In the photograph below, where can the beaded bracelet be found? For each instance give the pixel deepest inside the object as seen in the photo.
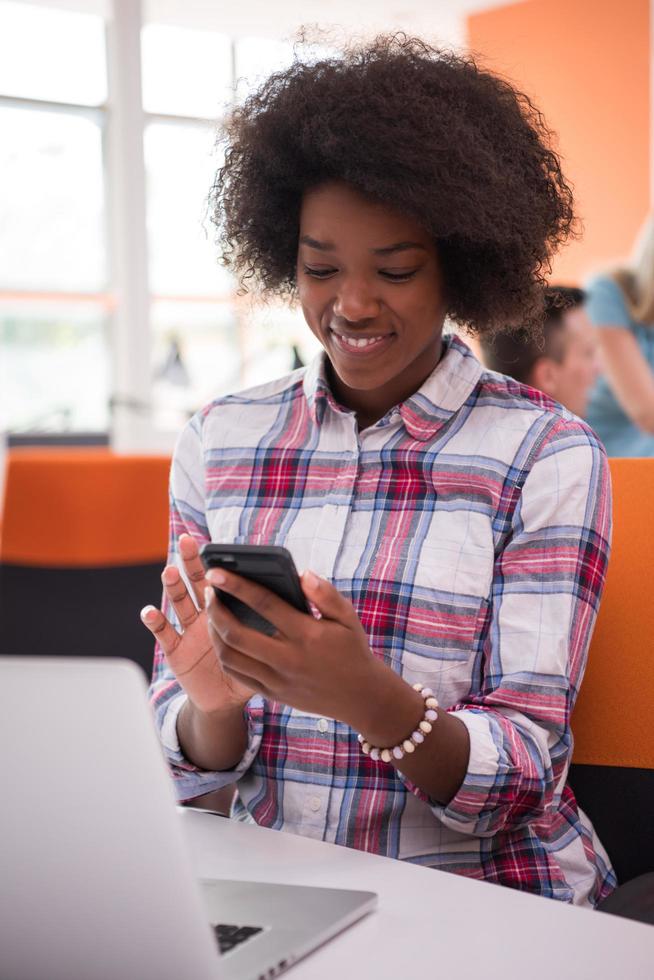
(408, 745)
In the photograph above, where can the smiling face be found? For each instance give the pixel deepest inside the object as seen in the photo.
(370, 287)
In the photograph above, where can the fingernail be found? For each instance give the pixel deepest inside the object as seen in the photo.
(311, 578)
(145, 612)
(208, 593)
(216, 576)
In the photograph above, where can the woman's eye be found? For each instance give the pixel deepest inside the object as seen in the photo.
(319, 273)
(326, 273)
(398, 276)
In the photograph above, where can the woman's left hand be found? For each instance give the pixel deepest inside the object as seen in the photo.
(322, 666)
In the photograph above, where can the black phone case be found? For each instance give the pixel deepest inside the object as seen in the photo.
(268, 565)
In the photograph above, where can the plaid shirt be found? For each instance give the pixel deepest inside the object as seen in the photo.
(470, 529)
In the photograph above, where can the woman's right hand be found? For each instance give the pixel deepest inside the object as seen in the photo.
(190, 653)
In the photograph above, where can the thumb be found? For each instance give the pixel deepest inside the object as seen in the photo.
(328, 600)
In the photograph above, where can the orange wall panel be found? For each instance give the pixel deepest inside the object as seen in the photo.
(586, 66)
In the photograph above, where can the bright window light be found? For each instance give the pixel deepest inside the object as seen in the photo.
(52, 202)
(256, 59)
(54, 367)
(196, 356)
(58, 55)
(181, 163)
(186, 72)
(274, 338)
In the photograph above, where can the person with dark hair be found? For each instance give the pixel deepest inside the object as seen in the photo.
(453, 527)
(563, 362)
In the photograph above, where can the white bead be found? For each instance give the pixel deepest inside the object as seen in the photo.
(398, 752)
(360, 739)
(427, 692)
(386, 755)
(417, 687)
(431, 703)
(374, 754)
(431, 715)
(417, 737)
(365, 747)
(425, 727)
(408, 746)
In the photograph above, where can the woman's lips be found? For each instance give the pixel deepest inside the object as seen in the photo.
(361, 346)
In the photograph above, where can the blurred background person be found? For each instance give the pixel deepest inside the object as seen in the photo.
(621, 304)
(564, 364)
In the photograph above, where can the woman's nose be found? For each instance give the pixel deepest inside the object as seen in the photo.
(356, 301)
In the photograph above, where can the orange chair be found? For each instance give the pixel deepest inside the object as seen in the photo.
(84, 540)
(613, 721)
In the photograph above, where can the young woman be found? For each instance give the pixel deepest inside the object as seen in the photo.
(453, 526)
(621, 304)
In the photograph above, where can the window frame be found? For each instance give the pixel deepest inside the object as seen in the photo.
(127, 298)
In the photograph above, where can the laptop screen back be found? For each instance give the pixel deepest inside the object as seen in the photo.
(95, 882)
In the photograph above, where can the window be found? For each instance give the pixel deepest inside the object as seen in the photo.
(54, 307)
(206, 339)
(62, 366)
(54, 368)
(52, 231)
(186, 72)
(56, 55)
(255, 58)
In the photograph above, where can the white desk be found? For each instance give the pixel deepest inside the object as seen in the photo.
(429, 923)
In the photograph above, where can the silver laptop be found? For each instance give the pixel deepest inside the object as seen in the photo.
(95, 879)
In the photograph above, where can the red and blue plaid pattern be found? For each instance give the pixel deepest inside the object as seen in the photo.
(470, 529)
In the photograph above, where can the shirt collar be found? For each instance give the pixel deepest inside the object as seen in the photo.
(316, 389)
(426, 412)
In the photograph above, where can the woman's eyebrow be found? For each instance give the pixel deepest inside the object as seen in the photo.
(398, 247)
(384, 250)
(314, 243)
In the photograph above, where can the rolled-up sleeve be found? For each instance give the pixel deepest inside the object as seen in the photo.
(189, 780)
(547, 582)
(187, 515)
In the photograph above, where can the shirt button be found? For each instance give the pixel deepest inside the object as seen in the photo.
(314, 803)
(322, 725)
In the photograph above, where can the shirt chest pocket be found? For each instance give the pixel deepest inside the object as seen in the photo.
(441, 639)
(442, 609)
(449, 647)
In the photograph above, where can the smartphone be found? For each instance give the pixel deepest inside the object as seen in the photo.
(267, 565)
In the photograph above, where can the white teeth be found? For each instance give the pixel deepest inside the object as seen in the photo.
(360, 341)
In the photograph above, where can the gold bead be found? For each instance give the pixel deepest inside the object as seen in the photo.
(417, 687)
(365, 748)
(425, 726)
(385, 755)
(431, 703)
(408, 746)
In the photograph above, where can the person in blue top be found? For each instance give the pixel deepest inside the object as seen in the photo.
(621, 304)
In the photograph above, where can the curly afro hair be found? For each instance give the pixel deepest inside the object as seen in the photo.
(424, 130)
